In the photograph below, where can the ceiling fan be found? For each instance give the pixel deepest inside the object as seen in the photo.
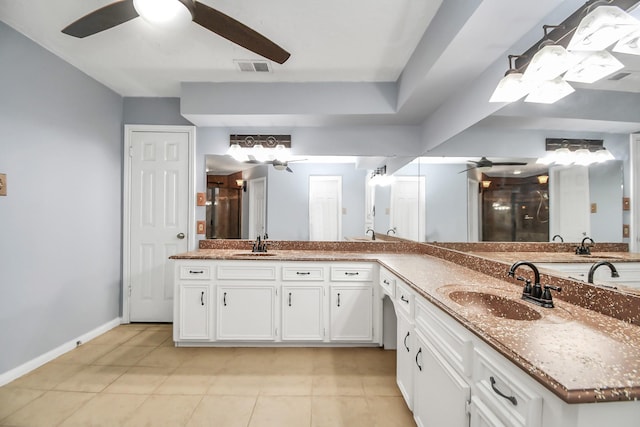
(121, 11)
(485, 163)
(280, 165)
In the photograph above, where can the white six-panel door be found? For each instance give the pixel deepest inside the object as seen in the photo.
(157, 225)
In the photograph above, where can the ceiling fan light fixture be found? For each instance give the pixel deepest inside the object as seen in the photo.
(602, 27)
(165, 11)
(593, 67)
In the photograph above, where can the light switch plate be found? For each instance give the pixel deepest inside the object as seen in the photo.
(625, 230)
(626, 204)
(594, 207)
(3, 184)
(200, 227)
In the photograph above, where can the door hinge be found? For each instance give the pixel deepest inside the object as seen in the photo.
(467, 407)
(131, 151)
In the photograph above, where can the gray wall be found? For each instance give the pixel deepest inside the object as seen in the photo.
(60, 250)
(288, 200)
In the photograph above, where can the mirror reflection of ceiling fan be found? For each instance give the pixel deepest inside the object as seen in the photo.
(485, 164)
(121, 11)
(280, 165)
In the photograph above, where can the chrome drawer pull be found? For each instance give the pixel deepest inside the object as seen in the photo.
(202, 298)
(303, 273)
(511, 399)
(386, 282)
(196, 271)
(349, 273)
(405, 342)
(404, 299)
(338, 299)
(224, 299)
(418, 354)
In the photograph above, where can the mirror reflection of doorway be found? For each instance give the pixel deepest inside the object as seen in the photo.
(224, 207)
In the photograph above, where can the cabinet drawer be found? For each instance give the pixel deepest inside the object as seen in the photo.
(243, 271)
(352, 273)
(503, 389)
(388, 283)
(453, 340)
(405, 299)
(303, 273)
(195, 272)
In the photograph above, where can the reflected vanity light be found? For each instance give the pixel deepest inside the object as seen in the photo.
(260, 148)
(380, 178)
(486, 183)
(543, 179)
(581, 152)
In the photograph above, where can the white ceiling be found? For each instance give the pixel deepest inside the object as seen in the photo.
(330, 40)
(443, 69)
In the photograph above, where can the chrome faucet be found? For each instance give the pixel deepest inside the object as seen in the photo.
(534, 293)
(559, 236)
(594, 267)
(373, 233)
(582, 249)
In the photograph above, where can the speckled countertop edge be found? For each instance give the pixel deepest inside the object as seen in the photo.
(410, 267)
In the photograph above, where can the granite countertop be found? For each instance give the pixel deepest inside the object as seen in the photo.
(560, 257)
(579, 354)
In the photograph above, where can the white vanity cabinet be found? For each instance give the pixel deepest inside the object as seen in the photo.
(269, 302)
(302, 301)
(246, 301)
(192, 307)
(405, 352)
(351, 306)
(629, 272)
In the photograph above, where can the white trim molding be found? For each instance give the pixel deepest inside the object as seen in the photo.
(25, 368)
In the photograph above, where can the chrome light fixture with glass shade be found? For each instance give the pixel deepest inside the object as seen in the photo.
(576, 51)
(260, 148)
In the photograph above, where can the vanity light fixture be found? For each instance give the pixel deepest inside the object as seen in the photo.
(485, 183)
(601, 27)
(560, 56)
(512, 87)
(379, 177)
(575, 151)
(543, 179)
(242, 184)
(260, 148)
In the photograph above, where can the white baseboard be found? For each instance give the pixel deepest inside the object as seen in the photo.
(25, 368)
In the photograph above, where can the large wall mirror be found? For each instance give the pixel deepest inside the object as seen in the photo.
(429, 199)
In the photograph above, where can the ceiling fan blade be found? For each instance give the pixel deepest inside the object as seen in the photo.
(468, 169)
(509, 164)
(102, 19)
(238, 33)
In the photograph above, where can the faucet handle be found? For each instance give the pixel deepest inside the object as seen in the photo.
(546, 295)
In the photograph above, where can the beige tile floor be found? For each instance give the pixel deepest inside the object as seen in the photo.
(134, 376)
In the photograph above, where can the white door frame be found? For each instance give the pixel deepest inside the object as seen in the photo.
(126, 205)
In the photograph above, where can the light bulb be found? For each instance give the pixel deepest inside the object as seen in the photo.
(163, 11)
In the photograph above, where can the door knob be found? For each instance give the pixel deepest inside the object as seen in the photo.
(180, 235)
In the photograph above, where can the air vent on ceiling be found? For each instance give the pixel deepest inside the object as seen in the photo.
(256, 66)
(619, 76)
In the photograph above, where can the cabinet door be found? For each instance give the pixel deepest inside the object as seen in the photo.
(440, 395)
(246, 313)
(302, 309)
(405, 351)
(351, 313)
(195, 313)
(481, 415)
